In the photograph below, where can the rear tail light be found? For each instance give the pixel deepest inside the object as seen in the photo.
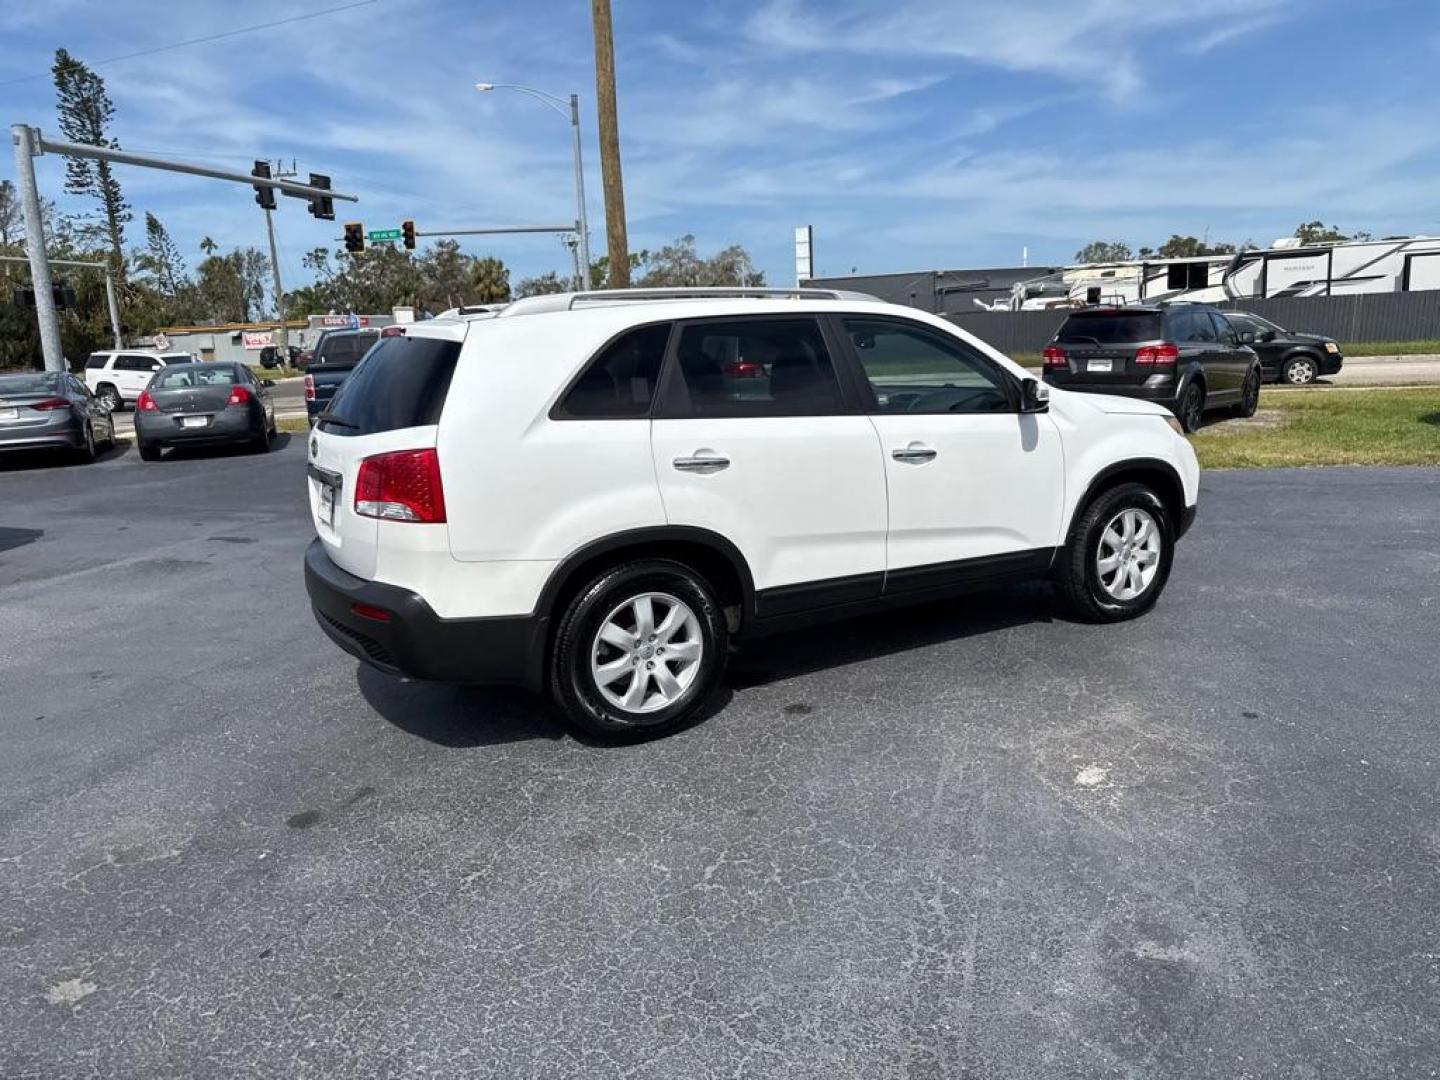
(309, 387)
(403, 486)
(51, 403)
(146, 403)
(1164, 354)
(745, 369)
(238, 396)
(1055, 357)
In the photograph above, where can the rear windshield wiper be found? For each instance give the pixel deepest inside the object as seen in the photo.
(329, 418)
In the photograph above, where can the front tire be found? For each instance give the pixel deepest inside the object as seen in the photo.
(1118, 559)
(1300, 370)
(1249, 396)
(1191, 410)
(639, 652)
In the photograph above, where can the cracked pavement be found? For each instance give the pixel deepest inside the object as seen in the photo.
(970, 840)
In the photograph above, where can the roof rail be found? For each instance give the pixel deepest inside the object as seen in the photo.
(569, 301)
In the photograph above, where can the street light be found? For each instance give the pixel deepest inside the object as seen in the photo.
(582, 224)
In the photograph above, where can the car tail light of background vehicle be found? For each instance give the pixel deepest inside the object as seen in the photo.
(1162, 355)
(1055, 357)
(51, 403)
(745, 369)
(238, 396)
(393, 331)
(309, 387)
(401, 486)
(146, 403)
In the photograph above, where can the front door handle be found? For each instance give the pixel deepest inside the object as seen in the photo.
(703, 462)
(914, 454)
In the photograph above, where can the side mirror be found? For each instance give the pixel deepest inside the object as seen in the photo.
(1267, 335)
(267, 382)
(1034, 396)
(1247, 337)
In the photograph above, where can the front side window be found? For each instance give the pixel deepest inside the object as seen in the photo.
(620, 381)
(918, 370)
(753, 367)
(1224, 332)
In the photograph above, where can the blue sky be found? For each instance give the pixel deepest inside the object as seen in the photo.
(911, 135)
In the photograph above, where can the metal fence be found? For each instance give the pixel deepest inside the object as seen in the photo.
(1413, 316)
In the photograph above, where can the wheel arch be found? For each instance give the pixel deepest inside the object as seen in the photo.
(709, 553)
(1155, 473)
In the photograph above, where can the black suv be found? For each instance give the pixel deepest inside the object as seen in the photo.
(1183, 356)
(1285, 356)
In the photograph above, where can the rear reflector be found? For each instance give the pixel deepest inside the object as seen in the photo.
(369, 611)
(51, 403)
(1055, 357)
(238, 396)
(403, 486)
(309, 387)
(1163, 354)
(146, 403)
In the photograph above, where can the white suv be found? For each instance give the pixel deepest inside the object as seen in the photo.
(117, 376)
(593, 495)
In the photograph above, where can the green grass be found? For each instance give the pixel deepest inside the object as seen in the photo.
(1389, 348)
(295, 425)
(276, 373)
(1365, 427)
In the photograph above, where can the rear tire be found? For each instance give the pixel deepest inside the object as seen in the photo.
(86, 452)
(1300, 370)
(610, 674)
(1191, 409)
(148, 451)
(1105, 575)
(261, 443)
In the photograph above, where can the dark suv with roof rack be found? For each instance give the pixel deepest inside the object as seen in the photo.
(1186, 357)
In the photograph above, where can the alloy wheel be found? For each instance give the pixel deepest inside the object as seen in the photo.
(1128, 555)
(1193, 409)
(647, 653)
(1300, 372)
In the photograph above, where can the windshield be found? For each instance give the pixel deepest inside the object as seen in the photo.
(401, 383)
(179, 358)
(194, 375)
(1111, 327)
(29, 383)
(1259, 324)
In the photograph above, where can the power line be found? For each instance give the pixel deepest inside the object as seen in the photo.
(209, 38)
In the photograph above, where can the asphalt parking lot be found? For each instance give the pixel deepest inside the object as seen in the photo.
(974, 840)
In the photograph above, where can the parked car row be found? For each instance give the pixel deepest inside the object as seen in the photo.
(1190, 358)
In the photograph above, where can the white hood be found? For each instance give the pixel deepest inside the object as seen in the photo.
(1112, 404)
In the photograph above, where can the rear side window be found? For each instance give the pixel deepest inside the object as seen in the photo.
(1111, 327)
(752, 367)
(402, 383)
(96, 361)
(620, 381)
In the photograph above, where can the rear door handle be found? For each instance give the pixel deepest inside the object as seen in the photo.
(914, 454)
(703, 462)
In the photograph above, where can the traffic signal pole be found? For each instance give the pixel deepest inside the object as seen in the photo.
(30, 144)
(49, 320)
(106, 269)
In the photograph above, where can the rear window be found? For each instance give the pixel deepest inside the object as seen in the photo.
(401, 383)
(36, 383)
(343, 348)
(177, 358)
(176, 378)
(1109, 328)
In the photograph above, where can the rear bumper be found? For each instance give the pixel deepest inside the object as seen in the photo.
(63, 431)
(1187, 518)
(1162, 390)
(414, 641)
(226, 426)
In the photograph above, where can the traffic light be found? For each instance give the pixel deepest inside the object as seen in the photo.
(407, 230)
(62, 294)
(264, 195)
(354, 237)
(322, 206)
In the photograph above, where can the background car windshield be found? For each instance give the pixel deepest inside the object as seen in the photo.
(195, 375)
(29, 383)
(183, 358)
(401, 383)
(1111, 327)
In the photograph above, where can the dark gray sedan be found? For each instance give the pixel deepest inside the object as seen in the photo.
(209, 404)
(46, 410)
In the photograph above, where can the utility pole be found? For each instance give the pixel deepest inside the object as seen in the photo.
(281, 174)
(616, 241)
(26, 147)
